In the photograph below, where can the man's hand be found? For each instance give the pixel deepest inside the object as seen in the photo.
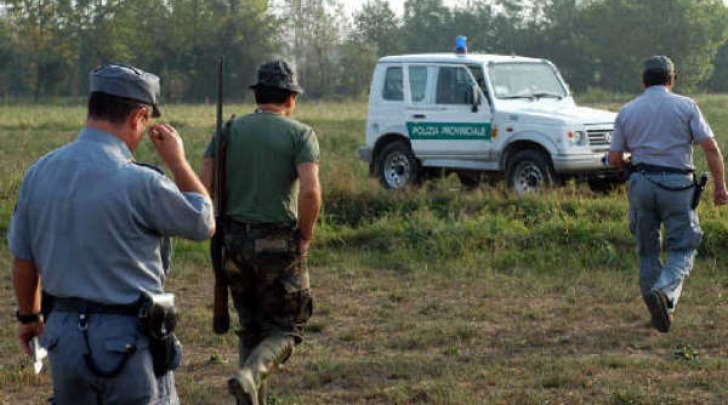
(26, 332)
(168, 143)
(617, 159)
(720, 195)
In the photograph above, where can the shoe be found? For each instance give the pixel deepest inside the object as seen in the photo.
(657, 303)
(242, 387)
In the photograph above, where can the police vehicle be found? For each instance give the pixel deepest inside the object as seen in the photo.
(482, 117)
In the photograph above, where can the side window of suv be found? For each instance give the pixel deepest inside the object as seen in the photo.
(393, 87)
(453, 86)
(418, 83)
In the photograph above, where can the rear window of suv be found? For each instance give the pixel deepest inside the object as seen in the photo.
(393, 88)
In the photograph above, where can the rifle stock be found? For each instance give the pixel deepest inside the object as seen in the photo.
(221, 315)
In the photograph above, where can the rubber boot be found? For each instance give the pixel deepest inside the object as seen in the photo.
(246, 384)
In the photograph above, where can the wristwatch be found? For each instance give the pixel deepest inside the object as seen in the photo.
(27, 318)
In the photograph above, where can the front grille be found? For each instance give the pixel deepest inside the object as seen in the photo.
(599, 137)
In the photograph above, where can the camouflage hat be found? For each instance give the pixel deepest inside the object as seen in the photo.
(128, 82)
(660, 63)
(277, 74)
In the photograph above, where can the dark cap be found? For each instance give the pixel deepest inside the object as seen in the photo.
(277, 74)
(127, 82)
(659, 63)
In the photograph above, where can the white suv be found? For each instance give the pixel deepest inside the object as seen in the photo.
(482, 116)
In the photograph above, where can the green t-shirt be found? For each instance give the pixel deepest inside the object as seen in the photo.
(263, 151)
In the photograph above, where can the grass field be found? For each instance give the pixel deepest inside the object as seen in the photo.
(433, 296)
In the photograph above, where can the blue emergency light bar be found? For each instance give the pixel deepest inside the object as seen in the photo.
(461, 45)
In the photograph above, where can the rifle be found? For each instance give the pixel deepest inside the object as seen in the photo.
(221, 316)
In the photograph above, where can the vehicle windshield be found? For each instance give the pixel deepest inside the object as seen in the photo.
(525, 80)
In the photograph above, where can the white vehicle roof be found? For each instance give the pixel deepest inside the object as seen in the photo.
(456, 58)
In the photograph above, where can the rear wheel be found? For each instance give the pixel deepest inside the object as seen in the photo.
(397, 166)
(529, 171)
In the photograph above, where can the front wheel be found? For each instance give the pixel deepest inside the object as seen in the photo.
(397, 166)
(529, 171)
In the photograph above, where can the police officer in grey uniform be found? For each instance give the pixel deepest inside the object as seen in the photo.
(656, 132)
(93, 226)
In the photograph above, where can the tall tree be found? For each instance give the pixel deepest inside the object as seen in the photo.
(377, 25)
(689, 31)
(719, 79)
(427, 26)
(355, 65)
(6, 55)
(315, 35)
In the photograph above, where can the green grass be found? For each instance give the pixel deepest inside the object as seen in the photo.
(435, 295)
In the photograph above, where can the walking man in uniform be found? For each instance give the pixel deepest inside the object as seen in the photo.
(272, 203)
(93, 227)
(659, 129)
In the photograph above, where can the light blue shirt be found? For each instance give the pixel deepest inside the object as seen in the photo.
(96, 225)
(659, 128)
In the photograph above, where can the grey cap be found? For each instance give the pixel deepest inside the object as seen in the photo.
(128, 82)
(660, 63)
(277, 74)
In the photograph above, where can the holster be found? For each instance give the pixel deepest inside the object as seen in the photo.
(699, 187)
(158, 320)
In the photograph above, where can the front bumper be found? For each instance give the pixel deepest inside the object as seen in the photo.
(593, 162)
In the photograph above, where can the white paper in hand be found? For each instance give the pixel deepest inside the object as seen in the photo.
(39, 353)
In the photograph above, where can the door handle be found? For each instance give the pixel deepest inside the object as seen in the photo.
(419, 116)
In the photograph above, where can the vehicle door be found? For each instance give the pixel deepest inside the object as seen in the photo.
(442, 120)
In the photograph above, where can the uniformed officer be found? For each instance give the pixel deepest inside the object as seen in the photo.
(659, 129)
(273, 200)
(93, 227)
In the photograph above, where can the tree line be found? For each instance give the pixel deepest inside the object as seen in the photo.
(48, 47)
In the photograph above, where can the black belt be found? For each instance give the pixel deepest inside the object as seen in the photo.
(258, 226)
(80, 305)
(655, 169)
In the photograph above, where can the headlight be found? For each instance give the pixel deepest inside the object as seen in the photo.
(577, 137)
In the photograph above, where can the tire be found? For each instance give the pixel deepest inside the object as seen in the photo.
(529, 172)
(397, 166)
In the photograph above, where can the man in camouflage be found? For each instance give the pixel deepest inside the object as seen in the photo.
(273, 197)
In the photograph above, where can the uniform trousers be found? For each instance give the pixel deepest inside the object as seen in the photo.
(653, 204)
(109, 336)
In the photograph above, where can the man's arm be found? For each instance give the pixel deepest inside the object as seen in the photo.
(309, 201)
(207, 176)
(26, 281)
(170, 148)
(715, 163)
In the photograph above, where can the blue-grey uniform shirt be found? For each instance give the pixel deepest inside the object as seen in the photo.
(659, 128)
(95, 224)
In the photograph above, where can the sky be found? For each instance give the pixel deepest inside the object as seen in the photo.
(352, 6)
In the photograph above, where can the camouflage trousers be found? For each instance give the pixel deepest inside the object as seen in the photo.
(269, 282)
